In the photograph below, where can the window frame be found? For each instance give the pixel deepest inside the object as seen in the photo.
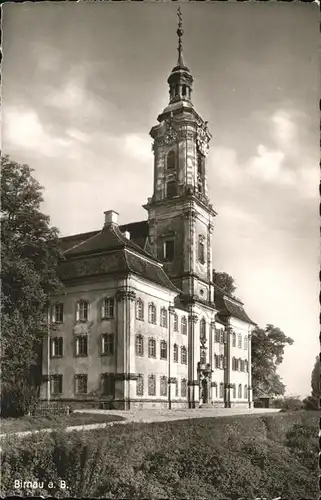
(163, 352)
(56, 378)
(171, 155)
(152, 378)
(78, 342)
(183, 355)
(81, 317)
(107, 339)
(184, 325)
(171, 257)
(140, 309)
(163, 386)
(139, 348)
(175, 353)
(152, 313)
(108, 308)
(201, 251)
(163, 318)
(58, 310)
(140, 385)
(78, 377)
(151, 346)
(183, 388)
(108, 381)
(59, 341)
(176, 327)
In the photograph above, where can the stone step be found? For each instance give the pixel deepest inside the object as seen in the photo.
(205, 405)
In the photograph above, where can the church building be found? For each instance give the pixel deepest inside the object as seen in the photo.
(141, 323)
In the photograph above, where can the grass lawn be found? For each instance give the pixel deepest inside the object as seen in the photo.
(29, 423)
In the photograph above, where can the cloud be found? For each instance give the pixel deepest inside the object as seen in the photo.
(23, 129)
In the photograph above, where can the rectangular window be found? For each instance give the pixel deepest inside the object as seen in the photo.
(169, 250)
(163, 386)
(184, 325)
(175, 353)
(151, 385)
(152, 314)
(203, 357)
(217, 335)
(221, 390)
(163, 350)
(175, 322)
(82, 311)
(58, 313)
(108, 384)
(107, 311)
(107, 344)
(183, 388)
(176, 388)
(56, 384)
(140, 386)
(56, 347)
(171, 189)
(163, 318)
(239, 341)
(81, 384)
(81, 345)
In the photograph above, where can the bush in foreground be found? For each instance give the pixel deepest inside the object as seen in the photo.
(210, 458)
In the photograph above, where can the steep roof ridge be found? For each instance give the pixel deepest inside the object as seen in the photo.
(81, 243)
(130, 243)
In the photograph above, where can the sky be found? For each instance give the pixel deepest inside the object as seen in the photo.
(83, 83)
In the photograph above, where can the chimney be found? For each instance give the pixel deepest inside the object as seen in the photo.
(111, 217)
(127, 235)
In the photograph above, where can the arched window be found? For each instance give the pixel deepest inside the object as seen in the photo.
(221, 390)
(175, 322)
(175, 353)
(234, 391)
(163, 349)
(239, 343)
(151, 348)
(82, 310)
(245, 392)
(202, 328)
(239, 392)
(245, 342)
(171, 160)
(139, 344)
(163, 317)
(184, 325)
(200, 164)
(233, 339)
(184, 90)
(139, 309)
(183, 355)
(171, 189)
(152, 314)
(107, 310)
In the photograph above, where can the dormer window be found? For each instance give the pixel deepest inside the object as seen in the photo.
(171, 160)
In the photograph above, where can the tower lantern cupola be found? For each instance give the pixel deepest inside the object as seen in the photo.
(180, 80)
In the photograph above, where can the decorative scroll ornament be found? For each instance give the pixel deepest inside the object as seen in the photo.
(202, 138)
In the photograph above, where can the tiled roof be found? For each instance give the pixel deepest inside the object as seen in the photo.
(109, 238)
(138, 234)
(229, 306)
(110, 252)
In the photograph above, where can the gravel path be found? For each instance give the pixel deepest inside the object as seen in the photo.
(148, 416)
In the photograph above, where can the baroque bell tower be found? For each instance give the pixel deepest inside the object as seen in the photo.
(179, 213)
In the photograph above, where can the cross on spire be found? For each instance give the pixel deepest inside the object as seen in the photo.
(180, 33)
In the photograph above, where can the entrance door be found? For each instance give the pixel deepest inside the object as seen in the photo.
(205, 390)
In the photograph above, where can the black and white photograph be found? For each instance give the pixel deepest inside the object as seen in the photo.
(160, 250)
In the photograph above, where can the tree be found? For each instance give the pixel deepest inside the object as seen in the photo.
(267, 353)
(312, 401)
(224, 281)
(30, 255)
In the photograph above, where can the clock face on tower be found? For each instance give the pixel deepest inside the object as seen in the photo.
(170, 136)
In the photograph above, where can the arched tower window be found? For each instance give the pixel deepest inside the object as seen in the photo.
(184, 91)
(171, 160)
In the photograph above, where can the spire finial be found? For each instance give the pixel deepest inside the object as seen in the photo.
(180, 33)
